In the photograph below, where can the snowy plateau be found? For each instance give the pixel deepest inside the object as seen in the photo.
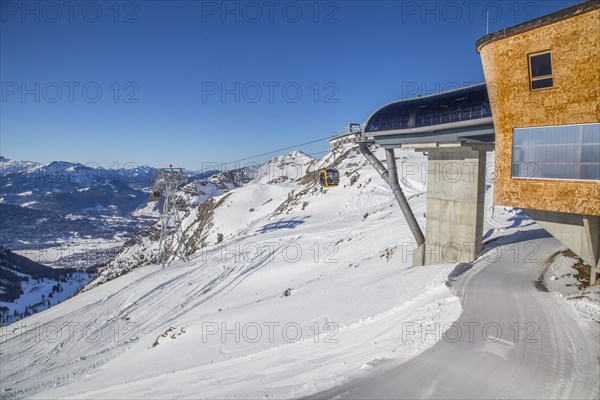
(290, 290)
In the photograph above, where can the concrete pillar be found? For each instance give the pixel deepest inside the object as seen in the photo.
(455, 205)
(580, 233)
(591, 226)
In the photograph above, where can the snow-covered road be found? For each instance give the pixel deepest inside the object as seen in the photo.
(513, 340)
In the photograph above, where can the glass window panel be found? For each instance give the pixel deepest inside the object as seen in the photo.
(541, 65)
(590, 154)
(518, 155)
(590, 172)
(542, 83)
(566, 171)
(590, 134)
(546, 170)
(557, 152)
(460, 106)
(517, 170)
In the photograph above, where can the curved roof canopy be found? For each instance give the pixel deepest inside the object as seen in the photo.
(404, 116)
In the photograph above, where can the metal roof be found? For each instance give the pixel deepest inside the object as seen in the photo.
(458, 115)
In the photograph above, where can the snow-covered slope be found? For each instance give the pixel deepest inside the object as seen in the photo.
(281, 169)
(291, 289)
(257, 191)
(307, 289)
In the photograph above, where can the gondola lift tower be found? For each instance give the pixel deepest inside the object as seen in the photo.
(172, 242)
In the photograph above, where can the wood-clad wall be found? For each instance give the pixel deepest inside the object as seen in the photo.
(575, 99)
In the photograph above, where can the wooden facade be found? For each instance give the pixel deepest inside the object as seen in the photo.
(572, 36)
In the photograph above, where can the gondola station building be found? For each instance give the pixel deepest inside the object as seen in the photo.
(539, 110)
(543, 80)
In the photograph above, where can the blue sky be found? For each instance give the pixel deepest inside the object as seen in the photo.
(193, 82)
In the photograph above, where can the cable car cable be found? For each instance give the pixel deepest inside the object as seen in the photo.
(278, 150)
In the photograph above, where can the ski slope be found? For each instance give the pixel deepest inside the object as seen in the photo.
(310, 289)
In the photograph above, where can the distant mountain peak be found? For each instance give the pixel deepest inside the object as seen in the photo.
(298, 153)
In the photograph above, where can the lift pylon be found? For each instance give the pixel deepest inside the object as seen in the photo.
(172, 242)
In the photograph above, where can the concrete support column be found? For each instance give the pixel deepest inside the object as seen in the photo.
(580, 233)
(455, 205)
(591, 226)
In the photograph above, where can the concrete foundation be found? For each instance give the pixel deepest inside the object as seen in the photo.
(580, 233)
(455, 205)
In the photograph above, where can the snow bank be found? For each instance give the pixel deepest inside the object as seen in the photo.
(561, 277)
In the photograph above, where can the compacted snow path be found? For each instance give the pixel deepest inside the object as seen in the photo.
(513, 340)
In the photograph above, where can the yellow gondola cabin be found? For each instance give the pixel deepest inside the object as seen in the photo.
(329, 177)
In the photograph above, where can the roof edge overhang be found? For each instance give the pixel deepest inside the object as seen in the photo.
(477, 85)
(451, 126)
(538, 22)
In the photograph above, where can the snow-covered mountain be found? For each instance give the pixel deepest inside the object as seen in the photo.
(45, 205)
(8, 166)
(74, 188)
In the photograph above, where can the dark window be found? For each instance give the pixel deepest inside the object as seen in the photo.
(542, 83)
(540, 69)
(557, 152)
(461, 105)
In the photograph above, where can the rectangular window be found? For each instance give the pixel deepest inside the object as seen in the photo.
(540, 70)
(557, 152)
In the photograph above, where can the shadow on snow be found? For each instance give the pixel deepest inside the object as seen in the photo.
(281, 224)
